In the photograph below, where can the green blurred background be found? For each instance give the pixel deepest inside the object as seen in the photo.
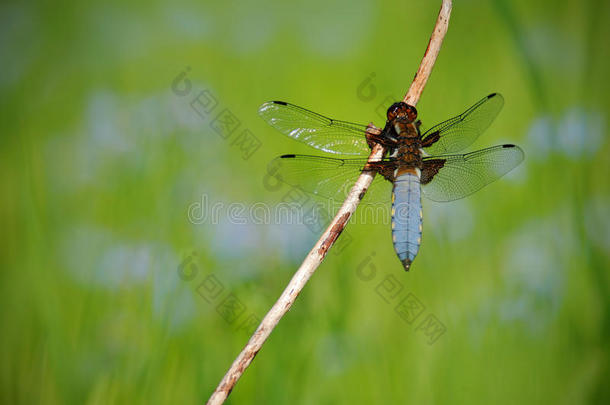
(110, 294)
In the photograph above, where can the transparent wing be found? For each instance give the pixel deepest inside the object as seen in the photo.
(315, 130)
(451, 177)
(328, 177)
(460, 132)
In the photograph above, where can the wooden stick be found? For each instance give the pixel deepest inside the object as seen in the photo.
(427, 62)
(330, 235)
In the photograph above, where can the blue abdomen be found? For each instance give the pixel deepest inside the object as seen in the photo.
(406, 217)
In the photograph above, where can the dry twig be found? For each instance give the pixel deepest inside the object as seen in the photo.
(319, 251)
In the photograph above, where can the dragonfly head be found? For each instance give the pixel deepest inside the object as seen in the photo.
(403, 111)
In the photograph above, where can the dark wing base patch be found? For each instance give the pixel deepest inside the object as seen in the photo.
(430, 169)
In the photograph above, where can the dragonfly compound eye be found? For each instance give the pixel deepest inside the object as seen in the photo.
(402, 110)
(411, 113)
(396, 110)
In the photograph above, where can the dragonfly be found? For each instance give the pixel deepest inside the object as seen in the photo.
(414, 163)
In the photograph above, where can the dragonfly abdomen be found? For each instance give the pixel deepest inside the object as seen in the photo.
(406, 217)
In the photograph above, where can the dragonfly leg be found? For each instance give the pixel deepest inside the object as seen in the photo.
(374, 135)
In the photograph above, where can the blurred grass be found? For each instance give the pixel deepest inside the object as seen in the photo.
(101, 161)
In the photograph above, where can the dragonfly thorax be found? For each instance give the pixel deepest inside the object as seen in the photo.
(409, 153)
